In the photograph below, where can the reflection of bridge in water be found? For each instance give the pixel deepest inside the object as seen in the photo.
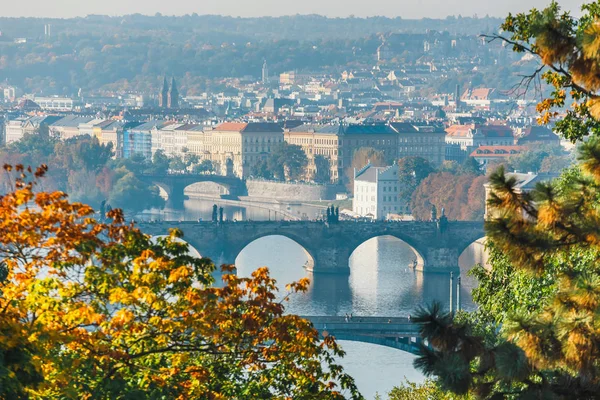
(395, 332)
(329, 246)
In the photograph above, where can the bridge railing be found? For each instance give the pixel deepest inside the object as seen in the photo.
(366, 325)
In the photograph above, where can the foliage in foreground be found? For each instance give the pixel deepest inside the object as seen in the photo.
(98, 310)
(550, 238)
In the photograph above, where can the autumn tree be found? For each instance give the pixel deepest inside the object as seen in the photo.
(462, 196)
(99, 310)
(545, 275)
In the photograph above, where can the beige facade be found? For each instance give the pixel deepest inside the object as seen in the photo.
(237, 147)
(317, 140)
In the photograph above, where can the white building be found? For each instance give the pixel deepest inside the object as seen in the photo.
(376, 192)
(13, 130)
(55, 103)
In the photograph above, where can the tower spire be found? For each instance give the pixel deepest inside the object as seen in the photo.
(164, 94)
(173, 95)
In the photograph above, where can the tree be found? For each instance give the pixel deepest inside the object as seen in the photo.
(555, 164)
(361, 157)
(411, 172)
(287, 161)
(547, 237)
(568, 50)
(428, 390)
(190, 159)
(527, 161)
(260, 169)
(204, 167)
(131, 194)
(462, 196)
(160, 162)
(176, 163)
(323, 169)
(471, 166)
(99, 310)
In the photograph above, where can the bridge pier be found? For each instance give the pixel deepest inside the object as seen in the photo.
(176, 197)
(442, 259)
(330, 260)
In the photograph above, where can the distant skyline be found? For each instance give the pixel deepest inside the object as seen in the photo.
(408, 9)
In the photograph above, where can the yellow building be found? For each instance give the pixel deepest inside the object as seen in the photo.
(238, 146)
(318, 140)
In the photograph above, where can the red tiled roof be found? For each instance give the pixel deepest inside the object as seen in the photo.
(459, 130)
(231, 126)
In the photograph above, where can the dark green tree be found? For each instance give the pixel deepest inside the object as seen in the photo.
(323, 169)
(160, 162)
(470, 167)
(133, 195)
(411, 172)
(260, 169)
(287, 161)
(206, 166)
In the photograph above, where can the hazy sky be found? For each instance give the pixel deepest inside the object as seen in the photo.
(391, 8)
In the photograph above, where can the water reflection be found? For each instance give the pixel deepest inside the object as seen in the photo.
(381, 283)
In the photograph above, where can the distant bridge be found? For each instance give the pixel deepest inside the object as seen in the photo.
(329, 246)
(398, 333)
(174, 184)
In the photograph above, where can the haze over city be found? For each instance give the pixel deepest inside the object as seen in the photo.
(258, 8)
(270, 199)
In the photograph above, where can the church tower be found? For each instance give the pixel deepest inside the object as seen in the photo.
(163, 95)
(173, 95)
(265, 73)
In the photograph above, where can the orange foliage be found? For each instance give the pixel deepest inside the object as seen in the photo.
(107, 313)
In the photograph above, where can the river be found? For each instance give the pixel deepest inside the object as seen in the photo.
(380, 284)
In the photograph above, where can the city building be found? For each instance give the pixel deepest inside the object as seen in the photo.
(237, 146)
(486, 155)
(55, 103)
(461, 140)
(381, 137)
(17, 128)
(421, 140)
(137, 138)
(68, 126)
(109, 133)
(265, 73)
(536, 135)
(317, 140)
(163, 96)
(173, 100)
(376, 192)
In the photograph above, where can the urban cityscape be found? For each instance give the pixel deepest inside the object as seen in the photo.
(296, 207)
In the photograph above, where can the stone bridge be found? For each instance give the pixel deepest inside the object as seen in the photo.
(329, 247)
(398, 333)
(175, 184)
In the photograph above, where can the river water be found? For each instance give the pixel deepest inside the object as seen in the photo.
(380, 284)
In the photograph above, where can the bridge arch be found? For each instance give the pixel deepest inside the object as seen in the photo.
(192, 251)
(474, 253)
(311, 259)
(214, 188)
(409, 345)
(418, 256)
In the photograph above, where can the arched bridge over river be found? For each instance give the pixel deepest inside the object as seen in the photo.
(329, 246)
(398, 333)
(174, 184)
